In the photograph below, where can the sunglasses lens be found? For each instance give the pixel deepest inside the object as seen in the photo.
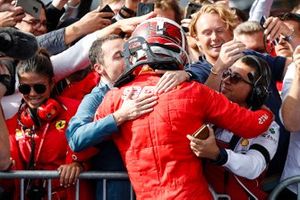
(24, 88)
(39, 88)
(234, 78)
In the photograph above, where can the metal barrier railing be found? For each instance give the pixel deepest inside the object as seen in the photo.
(283, 184)
(47, 174)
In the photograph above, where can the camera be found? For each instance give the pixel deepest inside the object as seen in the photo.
(144, 8)
(191, 9)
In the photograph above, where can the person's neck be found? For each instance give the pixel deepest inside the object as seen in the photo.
(105, 81)
(211, 60)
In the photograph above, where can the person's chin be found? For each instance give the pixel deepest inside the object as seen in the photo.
(34, 104)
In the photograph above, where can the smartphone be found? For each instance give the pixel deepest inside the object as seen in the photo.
(144, 8)
(191, 9)
(262, 21)
(31, 7)
(202, 133)
(106, 8)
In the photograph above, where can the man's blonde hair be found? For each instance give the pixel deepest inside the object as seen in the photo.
(227, 16)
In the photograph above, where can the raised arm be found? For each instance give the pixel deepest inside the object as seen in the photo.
(291, 104)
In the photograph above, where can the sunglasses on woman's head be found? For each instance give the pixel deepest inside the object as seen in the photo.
(38, 88)
(234, 77)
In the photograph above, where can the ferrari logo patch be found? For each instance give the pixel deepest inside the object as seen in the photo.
(60, 124)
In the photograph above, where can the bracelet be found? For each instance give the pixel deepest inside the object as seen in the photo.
(213, 72)
(190, 75)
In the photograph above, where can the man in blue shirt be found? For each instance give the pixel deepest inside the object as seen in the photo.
(83, 132)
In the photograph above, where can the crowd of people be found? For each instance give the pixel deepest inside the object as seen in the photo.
(85, 88)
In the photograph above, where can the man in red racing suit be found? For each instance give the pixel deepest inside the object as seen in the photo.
(154, 147)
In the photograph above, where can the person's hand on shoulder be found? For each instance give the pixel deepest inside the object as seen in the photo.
(133, 108)
(170, 80)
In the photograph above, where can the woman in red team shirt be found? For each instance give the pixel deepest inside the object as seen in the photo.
(37, 131)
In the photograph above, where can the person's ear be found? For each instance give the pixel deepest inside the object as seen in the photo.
(99, 68)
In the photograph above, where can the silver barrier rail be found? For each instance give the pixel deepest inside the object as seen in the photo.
(49, 174)
(283, 184)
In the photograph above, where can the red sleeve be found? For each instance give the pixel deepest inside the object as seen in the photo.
(241, 121)
(81, 87)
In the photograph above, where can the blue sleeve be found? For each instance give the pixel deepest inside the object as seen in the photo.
(276, 64)
(200, 71)
(53, 41)
(83, 131)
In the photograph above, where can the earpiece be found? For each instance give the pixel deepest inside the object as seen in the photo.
(33, 117)
(261, 84)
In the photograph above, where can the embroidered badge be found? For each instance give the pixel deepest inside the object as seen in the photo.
(271, 130)
(60, 124)
(19, 134)
(244, 142)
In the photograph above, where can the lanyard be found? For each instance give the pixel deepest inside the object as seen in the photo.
(32, 161)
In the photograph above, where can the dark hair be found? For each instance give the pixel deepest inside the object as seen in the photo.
(40, 63)
(260, 79)
(170, 4)
(96, 53)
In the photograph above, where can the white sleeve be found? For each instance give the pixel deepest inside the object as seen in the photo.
(10, 104)
(260, 8)
(288, 79)
(74, 58)
(287, 82)
(251, 164)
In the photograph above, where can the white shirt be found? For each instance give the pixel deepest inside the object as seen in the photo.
(292, 164)
(245, 161)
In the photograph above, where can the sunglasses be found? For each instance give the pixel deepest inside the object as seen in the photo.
(38, 88)
(234, 77)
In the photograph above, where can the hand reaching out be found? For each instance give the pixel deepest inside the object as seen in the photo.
(230, 52)
(274, 27)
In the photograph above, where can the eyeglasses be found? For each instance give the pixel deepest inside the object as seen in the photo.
(234, 77)
(38, 88)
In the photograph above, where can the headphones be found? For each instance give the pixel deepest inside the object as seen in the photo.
(29, 117)
(261, 80)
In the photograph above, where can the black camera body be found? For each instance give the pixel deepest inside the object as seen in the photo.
(144, 8)
(191, 9)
